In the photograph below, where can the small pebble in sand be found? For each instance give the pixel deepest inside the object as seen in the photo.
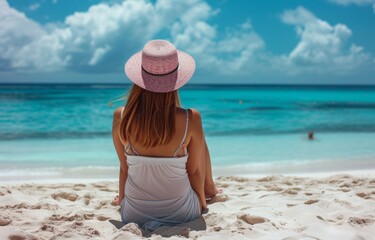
(5, 221)
(311, 201)
(252, 219)
(64, 195)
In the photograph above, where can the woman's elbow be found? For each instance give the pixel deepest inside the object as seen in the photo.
(194, 172)
(123, 170)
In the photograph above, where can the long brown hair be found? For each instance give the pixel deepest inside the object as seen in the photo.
(149, 117)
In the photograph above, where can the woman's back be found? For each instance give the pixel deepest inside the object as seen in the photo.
(169, 149)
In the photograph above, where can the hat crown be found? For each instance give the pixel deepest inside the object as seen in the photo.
(159, 57)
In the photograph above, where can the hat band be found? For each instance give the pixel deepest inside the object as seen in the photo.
(162, 74)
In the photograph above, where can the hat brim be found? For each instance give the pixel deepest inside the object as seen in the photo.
(160, 83)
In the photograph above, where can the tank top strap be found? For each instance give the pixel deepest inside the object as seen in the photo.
(183, 139)
(122, 111)
(129, 147)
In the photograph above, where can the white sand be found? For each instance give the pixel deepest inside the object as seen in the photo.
(275, 207)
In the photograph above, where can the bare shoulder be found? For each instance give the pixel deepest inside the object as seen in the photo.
(195, 119)
(117, 116)
(117, 112)
(195, 114)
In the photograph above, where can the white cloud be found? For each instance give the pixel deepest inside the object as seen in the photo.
(234, 52)
(357, 2)
(34, 6)
(322, 47)
(82, 42)
(98, 54)
(102, 38)
(16, 32)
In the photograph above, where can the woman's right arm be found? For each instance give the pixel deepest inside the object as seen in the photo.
(195, 163)
(119, 146)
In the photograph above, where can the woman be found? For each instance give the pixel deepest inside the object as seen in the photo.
(165, 163)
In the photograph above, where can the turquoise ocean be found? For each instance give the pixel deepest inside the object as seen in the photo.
(63, 131)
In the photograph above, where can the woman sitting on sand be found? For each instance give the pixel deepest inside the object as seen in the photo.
(165, 173)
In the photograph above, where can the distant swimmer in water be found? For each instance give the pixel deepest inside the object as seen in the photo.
(311, 135)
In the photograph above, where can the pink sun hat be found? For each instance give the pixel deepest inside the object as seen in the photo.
(160, 67)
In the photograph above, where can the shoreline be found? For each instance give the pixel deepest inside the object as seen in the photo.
(362, 173)
(309, 168)
(89, 174)
(365, 173)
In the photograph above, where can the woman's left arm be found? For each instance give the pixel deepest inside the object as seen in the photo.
(119, 146)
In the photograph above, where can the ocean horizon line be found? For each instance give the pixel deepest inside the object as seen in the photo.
(202, 85)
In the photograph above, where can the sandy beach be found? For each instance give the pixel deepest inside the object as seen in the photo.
(341, 206)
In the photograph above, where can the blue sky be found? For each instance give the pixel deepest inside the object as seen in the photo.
(303, 42)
